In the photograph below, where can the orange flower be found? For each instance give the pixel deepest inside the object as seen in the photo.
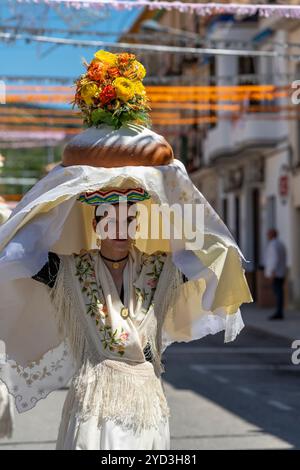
(114, 72)
(97, 71)
(124, 58)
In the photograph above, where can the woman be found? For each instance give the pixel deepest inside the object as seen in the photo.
(81, 325)
(94, 415)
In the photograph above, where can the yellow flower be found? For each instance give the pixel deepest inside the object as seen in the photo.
(124, 88)
(88, 92)
(139, 88)
(84, 81)
(106, 57)
(141, 71)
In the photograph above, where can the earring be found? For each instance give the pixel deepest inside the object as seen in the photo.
(98, 243)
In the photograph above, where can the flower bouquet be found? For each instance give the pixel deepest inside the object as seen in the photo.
(111, 91)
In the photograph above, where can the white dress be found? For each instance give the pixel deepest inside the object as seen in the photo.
(6, 413)
(77, 435)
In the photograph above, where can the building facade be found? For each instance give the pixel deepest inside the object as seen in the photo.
(246, 164)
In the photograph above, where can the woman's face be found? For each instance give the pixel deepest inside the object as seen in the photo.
(115, 223)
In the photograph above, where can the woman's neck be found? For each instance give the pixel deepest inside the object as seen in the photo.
(115, 260)
(114, 255)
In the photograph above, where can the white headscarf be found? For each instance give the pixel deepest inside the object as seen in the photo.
(50, 218)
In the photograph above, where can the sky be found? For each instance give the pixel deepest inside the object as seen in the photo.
(20, 58)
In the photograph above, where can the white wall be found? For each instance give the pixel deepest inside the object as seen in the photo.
(284, 212)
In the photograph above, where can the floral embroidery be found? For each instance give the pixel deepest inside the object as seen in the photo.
(87, 278)
(153, 265)
(115, 340)
(111, 341)
(35, 380)
(30, 375)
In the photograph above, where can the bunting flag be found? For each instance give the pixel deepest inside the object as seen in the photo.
(202, 9)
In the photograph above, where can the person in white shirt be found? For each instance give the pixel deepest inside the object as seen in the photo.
(275, 269)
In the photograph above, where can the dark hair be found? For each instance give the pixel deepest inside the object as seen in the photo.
(273, 232)
(97, 217)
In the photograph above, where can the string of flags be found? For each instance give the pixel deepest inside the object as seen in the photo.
(201, 9)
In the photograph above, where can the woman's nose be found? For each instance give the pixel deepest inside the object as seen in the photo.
(122, 230)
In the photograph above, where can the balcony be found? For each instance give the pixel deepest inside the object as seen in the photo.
(251, 131)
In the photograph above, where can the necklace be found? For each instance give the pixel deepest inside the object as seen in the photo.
(115, 262)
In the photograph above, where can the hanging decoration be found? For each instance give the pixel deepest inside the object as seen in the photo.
(171, 106)
(201, 9)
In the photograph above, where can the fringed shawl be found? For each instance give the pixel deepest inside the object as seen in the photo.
(114, 380)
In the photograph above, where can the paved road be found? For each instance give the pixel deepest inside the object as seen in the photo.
(243, 395)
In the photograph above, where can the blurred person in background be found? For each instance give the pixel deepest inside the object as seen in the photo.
(275, 269)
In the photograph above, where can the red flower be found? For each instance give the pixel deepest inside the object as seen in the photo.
(107, 94)
(77, 97)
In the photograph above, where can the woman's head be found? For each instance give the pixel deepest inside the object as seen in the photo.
(115, 214)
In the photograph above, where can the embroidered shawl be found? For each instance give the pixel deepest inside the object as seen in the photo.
(113, 380)
(50, 218)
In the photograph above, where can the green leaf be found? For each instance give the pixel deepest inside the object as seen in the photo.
(101, 116)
